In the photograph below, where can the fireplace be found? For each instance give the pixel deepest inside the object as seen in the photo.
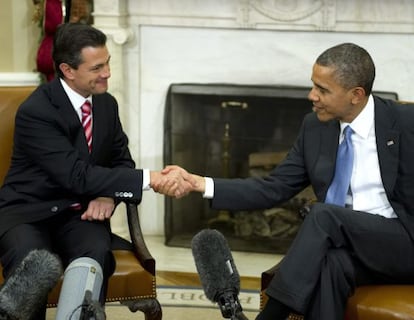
(224, 130)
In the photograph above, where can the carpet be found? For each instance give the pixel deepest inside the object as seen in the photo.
(182, 303)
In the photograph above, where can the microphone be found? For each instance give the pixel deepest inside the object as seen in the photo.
(81, 288)
(25, 291)
(217, 271)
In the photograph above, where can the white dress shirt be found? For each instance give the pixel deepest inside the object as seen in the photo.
(368, 192)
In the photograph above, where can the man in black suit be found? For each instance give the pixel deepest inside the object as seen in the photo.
(366, 239)
(59, 195)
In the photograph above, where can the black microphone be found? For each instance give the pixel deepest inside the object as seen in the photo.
(217, 271)
(25, 291)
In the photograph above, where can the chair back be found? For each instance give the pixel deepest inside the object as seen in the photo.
(10, 100)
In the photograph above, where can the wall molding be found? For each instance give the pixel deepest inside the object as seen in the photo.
(19, 79)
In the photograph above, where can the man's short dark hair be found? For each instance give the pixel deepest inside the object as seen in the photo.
(70, 39)
(353, 66)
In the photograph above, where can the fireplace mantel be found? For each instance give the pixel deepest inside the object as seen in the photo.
(154, 43)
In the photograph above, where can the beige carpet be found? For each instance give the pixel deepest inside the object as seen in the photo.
(117, 312)
(181, 304)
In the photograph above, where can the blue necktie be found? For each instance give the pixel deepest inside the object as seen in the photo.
(343, 170)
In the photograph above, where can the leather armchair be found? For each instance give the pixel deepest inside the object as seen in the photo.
(134, 283)
(377, 302)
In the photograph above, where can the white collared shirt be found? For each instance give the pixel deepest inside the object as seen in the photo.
(75, 98)
(368, 193)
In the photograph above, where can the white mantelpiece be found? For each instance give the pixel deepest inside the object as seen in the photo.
(158, 42)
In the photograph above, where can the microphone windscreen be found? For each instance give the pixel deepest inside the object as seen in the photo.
(214, 263)
(25, 291)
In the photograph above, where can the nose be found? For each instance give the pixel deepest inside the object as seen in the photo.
(106, 72)
(312, 95)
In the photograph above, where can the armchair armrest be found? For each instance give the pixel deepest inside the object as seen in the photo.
(140, 248)
(267, 276)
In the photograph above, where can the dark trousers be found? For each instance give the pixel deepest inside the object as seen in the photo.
(337, 249)
(65, 234)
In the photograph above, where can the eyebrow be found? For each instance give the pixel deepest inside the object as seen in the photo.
(97, 66)
(319, 86)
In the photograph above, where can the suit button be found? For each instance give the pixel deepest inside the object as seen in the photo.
(54, 209)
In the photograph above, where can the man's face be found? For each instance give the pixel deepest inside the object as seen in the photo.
(330, 100)
(93, 73)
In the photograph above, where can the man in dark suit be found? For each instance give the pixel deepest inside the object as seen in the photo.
(368, 237)
(58, 194)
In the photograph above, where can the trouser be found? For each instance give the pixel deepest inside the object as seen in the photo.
(68, 236)
(335, 250)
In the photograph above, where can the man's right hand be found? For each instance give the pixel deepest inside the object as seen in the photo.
(176, 182)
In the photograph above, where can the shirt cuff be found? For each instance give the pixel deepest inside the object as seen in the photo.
(146, 180)
(209, 190)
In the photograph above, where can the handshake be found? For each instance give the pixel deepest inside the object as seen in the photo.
(175, 181)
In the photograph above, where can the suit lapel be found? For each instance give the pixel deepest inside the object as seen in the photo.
(321, 152)
(98, 124)
(69, 117)
(388, 140)
(328, 150)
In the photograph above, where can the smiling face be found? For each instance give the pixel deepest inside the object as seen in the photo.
(92, 74)
(331, 100)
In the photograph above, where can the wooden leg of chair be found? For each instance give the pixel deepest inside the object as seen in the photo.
(150, 307)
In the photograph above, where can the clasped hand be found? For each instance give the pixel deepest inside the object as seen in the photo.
(174, 181)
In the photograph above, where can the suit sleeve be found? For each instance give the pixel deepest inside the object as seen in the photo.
(285, 181)
(53, 166)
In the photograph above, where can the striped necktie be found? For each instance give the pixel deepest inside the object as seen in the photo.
(87, 122)
(343, 170)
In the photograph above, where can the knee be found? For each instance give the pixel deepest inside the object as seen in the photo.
(323, 215)
(104, 257)
(15, 255)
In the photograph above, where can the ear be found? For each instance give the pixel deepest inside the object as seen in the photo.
(358, 95)
(66, 70)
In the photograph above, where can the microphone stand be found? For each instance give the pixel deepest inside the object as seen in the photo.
(91, 309)
(230, 306)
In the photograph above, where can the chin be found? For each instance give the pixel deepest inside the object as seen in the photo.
(99, 90)
(323, 116)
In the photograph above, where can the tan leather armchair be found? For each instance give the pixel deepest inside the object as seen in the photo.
(379, 302)
(133, 283)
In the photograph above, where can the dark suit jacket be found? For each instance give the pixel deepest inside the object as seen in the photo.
(312, 161)
(51, 167)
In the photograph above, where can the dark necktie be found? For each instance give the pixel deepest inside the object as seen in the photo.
(343, 170)
(87, 122)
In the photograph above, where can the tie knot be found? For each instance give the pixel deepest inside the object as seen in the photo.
(86, 107)
(348, 132)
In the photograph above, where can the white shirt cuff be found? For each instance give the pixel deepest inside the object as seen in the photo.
(209, 191)
(146, 180)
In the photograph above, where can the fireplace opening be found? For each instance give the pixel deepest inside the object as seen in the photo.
(226, 130)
